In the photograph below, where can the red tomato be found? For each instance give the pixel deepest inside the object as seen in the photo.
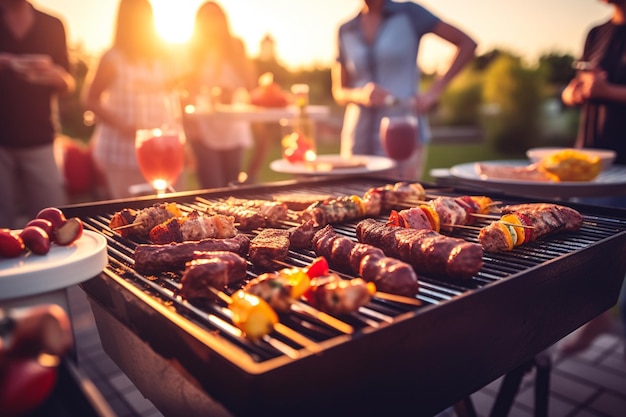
(24, 385)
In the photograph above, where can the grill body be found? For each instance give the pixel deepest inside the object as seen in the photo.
(400, 359)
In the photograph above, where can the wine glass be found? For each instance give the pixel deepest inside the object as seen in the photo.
(398, 135)
(160, 154)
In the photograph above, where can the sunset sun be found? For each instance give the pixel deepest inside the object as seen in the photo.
(174, 19)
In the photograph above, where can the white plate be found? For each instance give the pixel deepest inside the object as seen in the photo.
(610, 182)
(335, 165)
(606, 156)
(62, 267)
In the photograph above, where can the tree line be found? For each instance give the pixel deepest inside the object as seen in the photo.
(498, 92)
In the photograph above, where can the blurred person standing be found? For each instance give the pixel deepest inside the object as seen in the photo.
(600, 89)
(34, 68)
(376, 68)
(220, 69)
(131, 87)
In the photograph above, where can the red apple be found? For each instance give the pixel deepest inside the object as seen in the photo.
(11, 244)
(54, 215)
(36, 239)
(69, 232)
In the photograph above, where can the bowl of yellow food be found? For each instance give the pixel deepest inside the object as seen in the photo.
(569, 164)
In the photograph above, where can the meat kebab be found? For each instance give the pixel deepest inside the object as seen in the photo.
(523, 223)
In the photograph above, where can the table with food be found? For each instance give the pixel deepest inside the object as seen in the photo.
(561, 173)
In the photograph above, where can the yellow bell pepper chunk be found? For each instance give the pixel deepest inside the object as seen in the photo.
(173, 208)
(519, 230)
(359, 203)
(508, 237)
(297, 280)
(252, 314)
(433, 217)
(484, 203)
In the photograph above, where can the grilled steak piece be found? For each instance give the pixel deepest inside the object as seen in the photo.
(388, 274)
(300, 237)
(428, 251)
(215, 269)
(173, 257)
(266, 247)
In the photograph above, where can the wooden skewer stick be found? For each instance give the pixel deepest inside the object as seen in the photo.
(398, 298)
(378, 294)
(278, 327)
(461, 226)
(126, 226)
(485, 216)
(497, 218)
(323, 317)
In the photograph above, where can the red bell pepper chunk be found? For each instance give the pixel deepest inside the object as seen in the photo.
(318, 267)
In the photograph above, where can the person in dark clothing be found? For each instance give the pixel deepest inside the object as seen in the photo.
(600, 88)
(34, 67)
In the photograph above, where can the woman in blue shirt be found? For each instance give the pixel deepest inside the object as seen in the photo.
(377, 66)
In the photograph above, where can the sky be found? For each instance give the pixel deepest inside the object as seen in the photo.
(305, 30)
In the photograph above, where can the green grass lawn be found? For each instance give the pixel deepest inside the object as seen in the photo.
(439, 156)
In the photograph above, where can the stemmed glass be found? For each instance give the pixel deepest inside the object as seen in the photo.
(161, 156)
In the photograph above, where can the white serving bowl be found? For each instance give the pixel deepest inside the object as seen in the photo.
(606, 156)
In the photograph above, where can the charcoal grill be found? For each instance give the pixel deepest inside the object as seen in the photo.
(188, 359)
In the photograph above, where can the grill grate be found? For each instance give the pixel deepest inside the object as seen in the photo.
(216, 319)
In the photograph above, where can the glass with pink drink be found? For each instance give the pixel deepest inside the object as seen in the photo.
(161, 156)
(398, 135)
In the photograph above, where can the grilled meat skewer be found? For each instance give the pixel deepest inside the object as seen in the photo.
(143, 220)
(193, 226)
(273, 211)
(534, 222)
(173, 257)
(215, 269)
(332, 294)
(429, 252)
(373, 203)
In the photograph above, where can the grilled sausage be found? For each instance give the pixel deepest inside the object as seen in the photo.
(428, 251)
(388, 274)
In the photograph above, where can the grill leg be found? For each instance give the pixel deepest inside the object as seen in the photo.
(510, 386)
(508, 390)
(543, 366)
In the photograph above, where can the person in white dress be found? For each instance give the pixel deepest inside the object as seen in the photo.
(132, 87)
